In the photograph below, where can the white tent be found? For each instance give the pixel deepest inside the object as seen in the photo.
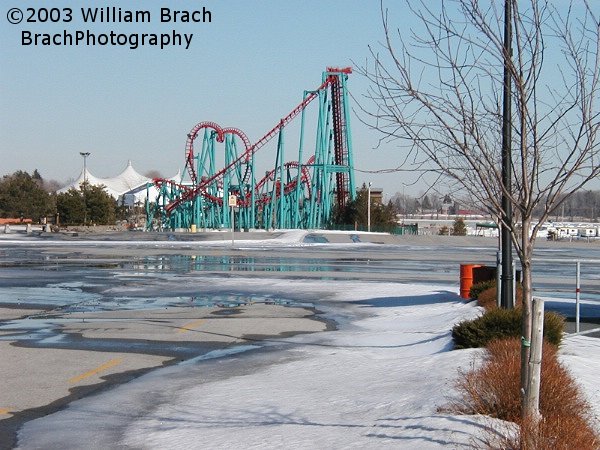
(129, 187)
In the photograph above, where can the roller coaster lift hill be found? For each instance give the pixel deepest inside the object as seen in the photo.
(294, 194)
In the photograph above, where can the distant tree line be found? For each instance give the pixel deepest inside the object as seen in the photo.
(584, 204)
(31, 196)
(407, 204)
(89, 204)
(24, 195)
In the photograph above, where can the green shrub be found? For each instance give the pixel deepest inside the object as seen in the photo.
(554, 327)
(477, 288)
(458, 227)
(501, 323)
(493, 324)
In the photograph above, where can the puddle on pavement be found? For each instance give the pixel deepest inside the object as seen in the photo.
(59, 300)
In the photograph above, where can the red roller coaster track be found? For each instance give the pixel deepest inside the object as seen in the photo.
(199, 188)
(221, 132)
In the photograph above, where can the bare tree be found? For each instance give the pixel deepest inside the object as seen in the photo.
(437, 92)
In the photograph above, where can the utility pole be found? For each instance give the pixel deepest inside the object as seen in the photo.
(369, 208)
(85, 155)
(506, 290)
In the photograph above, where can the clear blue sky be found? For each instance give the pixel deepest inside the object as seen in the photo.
(247, 69)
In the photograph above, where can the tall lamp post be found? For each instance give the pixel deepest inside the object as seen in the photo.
(85, 155)
(369, 208)
(506, 277)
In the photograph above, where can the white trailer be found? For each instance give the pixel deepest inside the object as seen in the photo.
(587, 232)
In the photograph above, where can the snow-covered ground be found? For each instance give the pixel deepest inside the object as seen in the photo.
(376, 382)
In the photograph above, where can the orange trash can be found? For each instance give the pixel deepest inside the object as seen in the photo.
(466, 279)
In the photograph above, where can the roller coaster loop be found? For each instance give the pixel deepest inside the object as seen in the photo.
(293, 194)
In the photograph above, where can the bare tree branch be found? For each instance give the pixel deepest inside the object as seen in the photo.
(435, 93)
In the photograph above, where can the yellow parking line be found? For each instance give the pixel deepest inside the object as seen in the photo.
(4, 411)
(189, 326)
(89, 373)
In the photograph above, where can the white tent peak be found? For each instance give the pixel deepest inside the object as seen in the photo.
(83, 176)
(129, 181)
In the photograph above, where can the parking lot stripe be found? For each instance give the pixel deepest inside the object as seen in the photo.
(89, 373)
(189, 326)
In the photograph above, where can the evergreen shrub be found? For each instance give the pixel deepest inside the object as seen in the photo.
(501, 323)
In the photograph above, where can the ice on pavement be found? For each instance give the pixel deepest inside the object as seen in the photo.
(376, 382)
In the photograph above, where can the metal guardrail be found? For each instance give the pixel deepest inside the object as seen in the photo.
(577, 262)
(577, 290)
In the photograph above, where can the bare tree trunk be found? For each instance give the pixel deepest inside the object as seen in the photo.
(526, 325)
(532, 398)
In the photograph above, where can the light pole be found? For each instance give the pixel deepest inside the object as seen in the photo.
(85, 155)
(369, 208)
(506, 280)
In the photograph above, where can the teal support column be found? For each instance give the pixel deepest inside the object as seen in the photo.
(296, 219)
(253, 217)
(348, 137)
(282, 218)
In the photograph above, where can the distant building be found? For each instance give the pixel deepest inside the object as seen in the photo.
(447, 206)
(377, 195)
(465, 211)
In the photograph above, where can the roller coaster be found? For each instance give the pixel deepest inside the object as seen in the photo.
(294, 194)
